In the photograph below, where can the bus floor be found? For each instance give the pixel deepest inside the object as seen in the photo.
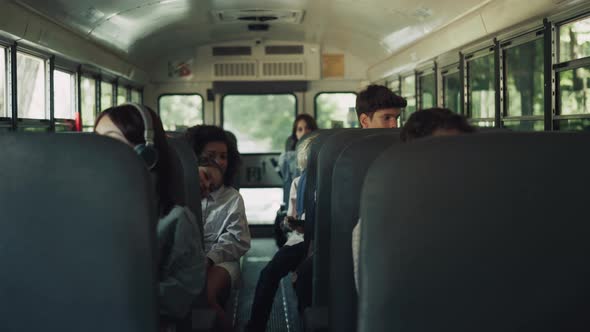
(284, 316)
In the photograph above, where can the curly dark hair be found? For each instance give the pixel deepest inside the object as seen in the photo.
(199, 136)
(377, 97)
(425, 122)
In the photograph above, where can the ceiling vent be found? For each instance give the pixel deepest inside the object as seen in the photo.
(283, 49)
(291, 16)
(231, 50)
(283, 69)
(235, 70)
(258, 27)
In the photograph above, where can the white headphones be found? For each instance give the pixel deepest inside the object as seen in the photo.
(147, 151)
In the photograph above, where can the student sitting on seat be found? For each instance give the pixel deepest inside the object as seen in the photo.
(181, 259)
(377, 108)
(286, 259)
(424, 123)
(227, 236)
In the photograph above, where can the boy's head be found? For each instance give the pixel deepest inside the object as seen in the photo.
(435, 122)
(378, 107)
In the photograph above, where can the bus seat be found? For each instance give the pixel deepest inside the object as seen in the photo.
(326, 160)
(185, 182)
(347, 178)
(77, 235)
(477, 233)
(309, 191)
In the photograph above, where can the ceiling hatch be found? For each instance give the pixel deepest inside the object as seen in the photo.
(291, 16)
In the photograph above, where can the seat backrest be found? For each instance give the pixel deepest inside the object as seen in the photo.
(77, 235)
(347, 178)
(472, 233)
(309, 191)
(185, 180)
(329, 152)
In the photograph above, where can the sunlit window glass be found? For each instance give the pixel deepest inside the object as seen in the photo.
(121, 95)
(31, 99)
(525, 79)
(452, 91)
(3, 103)
(261, 123)
(574, 40)
(574, 91)
(574, 124)
(88, 102)
(106, 95)
(525, 125)
(64, 95)
(481, 87)
(179, 112)
(336, 110)
(135, 96)
(427, 90)
(394, 86)
(409, 86)
(261, 204)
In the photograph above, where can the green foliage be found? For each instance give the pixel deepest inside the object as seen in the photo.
(333, 109)
(179, 112)
(481, 87)
(261, 123)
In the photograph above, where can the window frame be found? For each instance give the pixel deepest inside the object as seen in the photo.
(403, 117)
(222, 110)
(113, 83)
(6, 122)
(167, 94)
(520, 40)
(481, 53)
(426, 71)
(451, 69)
(315, 100)
(24, 123)
(563, 66)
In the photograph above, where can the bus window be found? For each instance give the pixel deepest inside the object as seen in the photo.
(452, 90)
(261, 123)
(179, 112)
(64, 95)
(409, 92)
(3, 108)
(427, 91)
(393, 85)
(574, 91)
(573, 40)
(582, 124)
(261, 204)
(106, 95)
(88, 103)
(31, 82)
(524, 86)
(482, 93)
(525, 79)
(334, 108)
(135, 96)
(121, 95)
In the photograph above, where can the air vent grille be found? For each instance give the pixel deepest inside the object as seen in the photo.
(283, 49)
(232, 50)
(283, 69)
(235, 69)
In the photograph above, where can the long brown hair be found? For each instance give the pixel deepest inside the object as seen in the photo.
(128, 119)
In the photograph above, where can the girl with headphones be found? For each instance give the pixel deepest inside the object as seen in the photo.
(181, 261)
